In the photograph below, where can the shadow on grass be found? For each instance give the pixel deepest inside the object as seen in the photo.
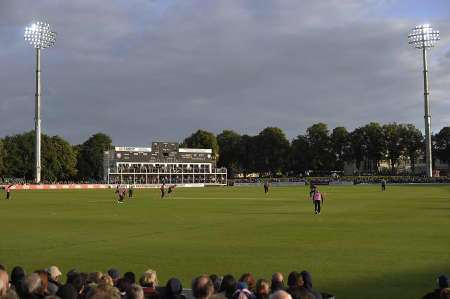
(414, 284)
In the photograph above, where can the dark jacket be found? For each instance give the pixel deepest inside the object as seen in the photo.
(67, 291)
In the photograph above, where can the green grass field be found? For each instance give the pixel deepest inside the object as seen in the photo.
(365, 244)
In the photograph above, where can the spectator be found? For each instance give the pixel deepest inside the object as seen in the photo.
(77, 280)
(43, 290)
(103, 291)
(228, 286)
(135, 292)
(149, 282)
(216, 280)
(280, 295)
(442, 282)
(4, 282)
(202, 287)
(32, 286)
(2, 267)
(173, 289)
(249, 280)
(277, 282)
(115, 275)
(94, 277)
(262, 289)
(242, 292)
(129, 277)
(18, 280)
(296, 287)
(307, 284)
(106, 279)
(67, 291)
(54, 276)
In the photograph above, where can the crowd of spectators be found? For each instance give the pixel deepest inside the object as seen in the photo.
(48, 284)
(345, 179)
(112, 285)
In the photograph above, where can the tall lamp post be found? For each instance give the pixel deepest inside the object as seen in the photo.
(39, 37)
(423, 37)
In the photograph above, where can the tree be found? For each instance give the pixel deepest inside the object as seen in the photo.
(394, 146)
(299, 155)
(320, 147)
(358, 147)
(443, 145)
(2, 157)
(412, 142)
(57, 157)
(202, 139)
(64, 166)
(19, 155)
(90, 158)
(229, 142)
(246, 156)
(375, 142)
(340, 144)
(272, 149)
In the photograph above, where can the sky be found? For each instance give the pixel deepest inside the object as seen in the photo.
(158, 70)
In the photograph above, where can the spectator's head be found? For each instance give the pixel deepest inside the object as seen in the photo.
(67, 291)
(103, 291)
(294, 279)
(442, 281)
(2, 267)
(17, 275)
(129, 277)
(307, 280)
(173, 288)
(280, 295)
(262, 288)
(33, 283)
(106, 279)
(76, 280)
(123, 285)
(202, 287)
(95, 277)
(228, 285)
(216, 280)
(44, 282)
(135, 292)
(277, 281)
(249, 280)
(54, 273)
(149, 279)
(4, 282)
(115, 274)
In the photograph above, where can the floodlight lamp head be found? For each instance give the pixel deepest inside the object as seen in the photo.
(39, 35)
(423, 36)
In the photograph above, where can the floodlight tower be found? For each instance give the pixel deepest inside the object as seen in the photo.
(423, 37)
(39, 37)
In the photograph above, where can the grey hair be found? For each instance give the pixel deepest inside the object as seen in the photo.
(280, 295)
(136, 292)
(33, 282)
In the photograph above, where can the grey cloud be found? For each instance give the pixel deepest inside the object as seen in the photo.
(142, 72)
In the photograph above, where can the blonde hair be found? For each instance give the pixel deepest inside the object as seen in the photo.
(107, 280)
(149, 278)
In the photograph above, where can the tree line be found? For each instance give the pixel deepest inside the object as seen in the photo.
(320, 149)
(60, 161)
(269, 153)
